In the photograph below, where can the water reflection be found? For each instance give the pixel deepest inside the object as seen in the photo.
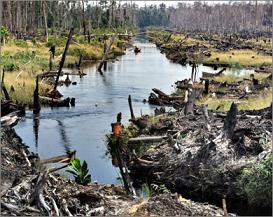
(36, 123)
(98, 100)
(64, 138)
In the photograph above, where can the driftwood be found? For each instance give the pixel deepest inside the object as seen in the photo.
(60, 159)
(8, 106)
(54, 102)
(164, 99)
(147, 139)
(37, 195)
(10, 119)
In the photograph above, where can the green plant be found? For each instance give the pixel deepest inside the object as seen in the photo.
(256, 183)
(159, 189)
(4, 33)
(153, 189)
(80, 172)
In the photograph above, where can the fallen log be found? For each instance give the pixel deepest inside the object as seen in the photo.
(268, 70)
(148, 139)
(60, 159)
(11, 119)
(54, 102)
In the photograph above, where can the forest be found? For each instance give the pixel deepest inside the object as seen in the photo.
(115, 107)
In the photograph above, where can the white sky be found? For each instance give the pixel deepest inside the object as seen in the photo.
(142, 3)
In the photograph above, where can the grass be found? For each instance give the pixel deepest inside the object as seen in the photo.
(24, 86)
(31, 57)
(233, 79)
(234, 58)
(253, 103)
(240, 58)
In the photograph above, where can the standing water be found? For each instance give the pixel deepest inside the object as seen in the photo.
(98, 100)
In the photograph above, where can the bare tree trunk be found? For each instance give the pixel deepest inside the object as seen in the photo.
(9, 16)
(45, 20)
(83, 20)
(26, 17)
(18, 16)
(63, 57)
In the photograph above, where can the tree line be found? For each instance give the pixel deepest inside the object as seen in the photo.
(31, 16)
(224, 18)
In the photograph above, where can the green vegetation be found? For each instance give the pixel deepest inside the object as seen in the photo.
(233, 57)
(240, 58)
(153, 189)
(80, 172)
(263, 100)
(256, 183)
(22, 60)
(4, 33)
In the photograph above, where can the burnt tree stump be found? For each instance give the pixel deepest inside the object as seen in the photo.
(230, 121)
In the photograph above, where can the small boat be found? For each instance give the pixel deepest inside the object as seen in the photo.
(137, 50)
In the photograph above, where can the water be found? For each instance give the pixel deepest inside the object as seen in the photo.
(98, 100)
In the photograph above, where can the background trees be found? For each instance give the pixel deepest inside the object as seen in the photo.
(32, 16)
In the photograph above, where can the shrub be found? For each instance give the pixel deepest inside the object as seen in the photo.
(256, 183)
(80, 172)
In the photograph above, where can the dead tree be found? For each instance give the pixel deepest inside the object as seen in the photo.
(230, 121)
(206, 91)
(131, 108)
(63, 58)
(45, 20)
(116, 150)
(83, 20)
(106, 53)
(4, 88)
(36, 100)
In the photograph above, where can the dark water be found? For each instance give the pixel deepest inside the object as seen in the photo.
(98, 100)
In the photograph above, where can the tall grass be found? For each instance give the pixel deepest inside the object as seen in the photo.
(24, 86)
(252, 103)
(240, 58)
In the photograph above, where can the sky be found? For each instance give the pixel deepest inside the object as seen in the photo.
(168, 3)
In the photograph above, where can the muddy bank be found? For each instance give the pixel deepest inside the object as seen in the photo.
(26, 189)
(203, 155)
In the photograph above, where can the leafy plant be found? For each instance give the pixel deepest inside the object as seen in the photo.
(80, 172)
(256, 183)
(159, 189)
(153, 189)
